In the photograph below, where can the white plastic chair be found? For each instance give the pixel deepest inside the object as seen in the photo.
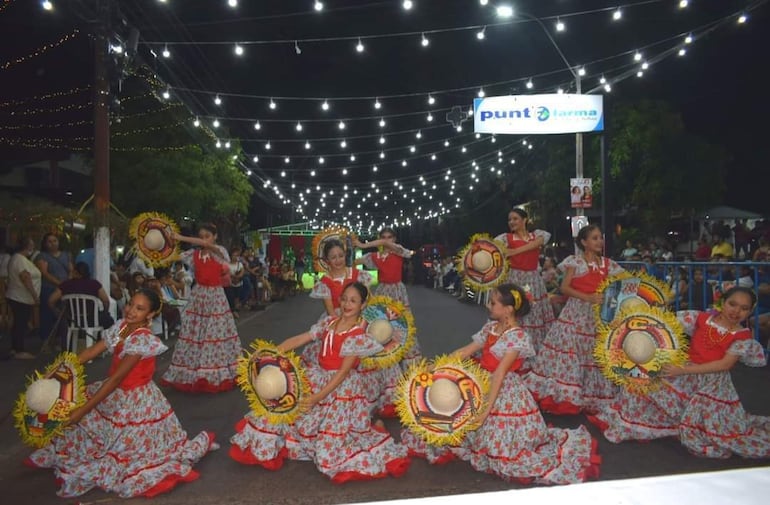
(83, 316)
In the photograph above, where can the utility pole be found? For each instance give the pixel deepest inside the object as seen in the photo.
(578, 143)
(102, 146)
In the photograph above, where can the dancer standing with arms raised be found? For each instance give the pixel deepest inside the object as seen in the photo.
(565, 378)
(206, 352)
(523, 255)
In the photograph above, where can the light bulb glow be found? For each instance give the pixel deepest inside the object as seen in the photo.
(360, 46)
(480, 33)
(273, 105)
(617, 15)
(257, 126)
(560, 25)
(166, 53)
(504, 11)
(424, 41)
(47, 5)
(238, 50)
(529, 84)
(325, 105)
(217, 100)
(407, 5)
(318, 6)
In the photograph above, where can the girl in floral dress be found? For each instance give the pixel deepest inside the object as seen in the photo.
(698, 402)
(389, 264)
(513, 441)
(206, 352)
(565, 378)
(335, 431)
(126, 439)
(524, 259)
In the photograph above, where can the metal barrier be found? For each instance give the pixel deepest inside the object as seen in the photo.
(698, 284)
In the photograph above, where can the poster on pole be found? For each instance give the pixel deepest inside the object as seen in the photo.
(581, 194)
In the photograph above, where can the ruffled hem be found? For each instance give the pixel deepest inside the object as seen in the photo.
(592, 471)
(394, 468)
(168, 483)
(563, 408)
(246, 457)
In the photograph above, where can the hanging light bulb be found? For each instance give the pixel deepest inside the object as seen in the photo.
(257, 126)
(418, 134)
(219, 144)
(529, 84)
(581, 71)
(318, 6)
(382, 140)
(352, 157)
(287, 160)
(341, 125)
(298, 127)
(481, 93)
(217, 100)
(196, 123)
(360, 46)
(742, 18)
(688, 39)
(602, 80)
(407, 5)
(325, 105)
(682, 51)
(683, 4)
(617, 14)
(238, 49)
(268, 146)
(273, 105)
(232, 3)
(424, 41)
(429, 118)
(47, 5)
(307, 145)
(215, 124)
(560, 25)
(637, 56)
(297, 48)
(255, 159)
(480, 34)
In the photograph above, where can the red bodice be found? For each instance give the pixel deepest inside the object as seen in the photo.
(337, 287)
(140, 375)
(208, 271)
(488, 360)
(331, 344)
(389, 267)
(589, 282)
(708, 344)
(526, 261)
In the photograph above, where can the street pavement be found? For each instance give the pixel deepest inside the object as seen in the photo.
(443, 324)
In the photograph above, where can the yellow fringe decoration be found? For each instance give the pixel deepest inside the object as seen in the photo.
(260, 347)
(153, 258)
(339, 232)
(384, 359)
(663, 294)
(22, 413)
(460, 263)
(616, 366)
(406, 408)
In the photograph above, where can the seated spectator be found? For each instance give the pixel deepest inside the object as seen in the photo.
(169, 313)
(721, 249)
(82, 284)
(701, 295)
(629, 252)
(703, 251)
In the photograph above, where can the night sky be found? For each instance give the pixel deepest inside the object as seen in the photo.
(716, 85)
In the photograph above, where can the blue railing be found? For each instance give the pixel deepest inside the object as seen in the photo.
(714, 278)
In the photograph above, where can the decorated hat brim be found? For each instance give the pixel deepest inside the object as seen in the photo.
(283, 410)
(646, 288)
(662, 329)
(37, 430)
(144, 223)
(420, 417)
(495, 275)
(334, 233)
(402, 321)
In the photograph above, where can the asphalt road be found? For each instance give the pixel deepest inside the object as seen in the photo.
(443, 324)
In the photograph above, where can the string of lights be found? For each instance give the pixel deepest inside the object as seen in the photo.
(37, 52)
(47, 96)
(46, 126)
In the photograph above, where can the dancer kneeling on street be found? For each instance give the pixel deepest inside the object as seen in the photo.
(512, 440)
(126, 439)
(335, 431)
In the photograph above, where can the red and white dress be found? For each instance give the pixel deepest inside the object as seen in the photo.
(525, 271)
(565, 378)
(207, 350)
(702, 410)
(337, 433)
(514, 442)
(131, 443)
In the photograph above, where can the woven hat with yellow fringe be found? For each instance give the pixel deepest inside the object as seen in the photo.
(152, 232)
(335, 233)
(630, 291)
(439, 403)
(391, 324)
(48, 399)
(633, 348)
(482, 262)
(274, 382)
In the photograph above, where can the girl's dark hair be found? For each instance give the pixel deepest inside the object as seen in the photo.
(388, 229)
(362, 290)
(209, 227)
(519, 303)
(83, 270)
(583, 235)
(740, 289)
(331, 244)
(45, 239)
(152, 296)
(521, 212)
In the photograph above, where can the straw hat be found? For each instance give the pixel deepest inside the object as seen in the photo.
(336, 233)
(274, 382)
(633, 349)
(391, 324)
(152, 232)
(630, 292)
(439, 402)
(48, 399)
(482, 262)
